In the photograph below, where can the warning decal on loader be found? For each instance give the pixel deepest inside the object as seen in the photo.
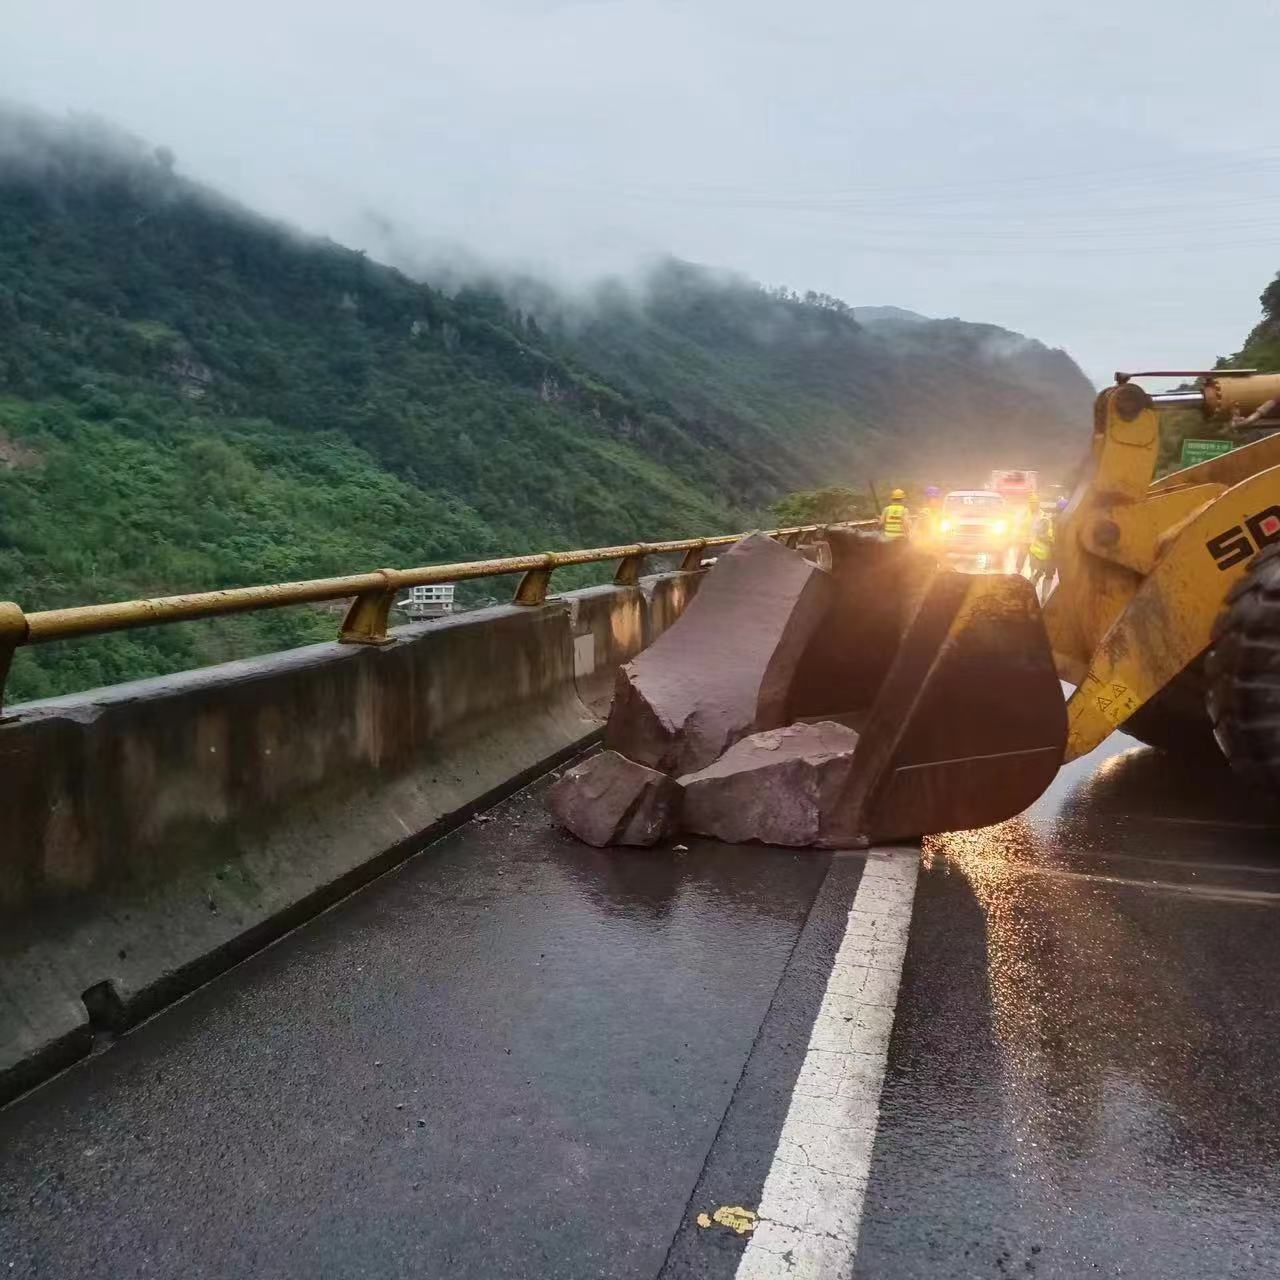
(1120, 706)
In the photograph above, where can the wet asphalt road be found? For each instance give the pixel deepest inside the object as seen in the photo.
(515, 1056)
(510, 1057)
(1084, 1076)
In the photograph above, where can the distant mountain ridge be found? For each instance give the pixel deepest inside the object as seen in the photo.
(887, 315)
(193, 396)
(836, 397)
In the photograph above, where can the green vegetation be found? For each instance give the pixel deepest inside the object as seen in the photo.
(1261, 351)
(193, 397)
(823, 506)
(825, 398)
(1177, 427)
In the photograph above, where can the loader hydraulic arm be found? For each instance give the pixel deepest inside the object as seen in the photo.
(1144, 568)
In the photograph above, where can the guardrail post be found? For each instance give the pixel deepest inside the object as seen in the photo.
(630, 567)
(692, 561)
(13, 631)
(535, 583)
(369, 614)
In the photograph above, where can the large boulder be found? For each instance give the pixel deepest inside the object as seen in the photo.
(608, 799)
(777, 787)
(725, 669)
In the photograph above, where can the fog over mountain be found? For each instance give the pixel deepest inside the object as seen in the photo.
(1055, 170)
(194, 395)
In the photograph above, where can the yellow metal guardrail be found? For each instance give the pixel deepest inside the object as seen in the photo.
(372, 594)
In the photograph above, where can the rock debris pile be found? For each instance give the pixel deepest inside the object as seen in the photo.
(698, 738)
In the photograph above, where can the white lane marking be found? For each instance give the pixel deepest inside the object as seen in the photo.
(811, 1206)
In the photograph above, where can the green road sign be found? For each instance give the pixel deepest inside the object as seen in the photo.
(1194, 451)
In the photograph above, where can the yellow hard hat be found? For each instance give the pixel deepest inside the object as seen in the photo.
(897, 495)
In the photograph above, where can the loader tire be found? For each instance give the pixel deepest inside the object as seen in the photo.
(1175, 720)
(1243, 669)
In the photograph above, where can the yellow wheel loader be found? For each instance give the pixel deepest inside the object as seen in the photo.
(1165, 617)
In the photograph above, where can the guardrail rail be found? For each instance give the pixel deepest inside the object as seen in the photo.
(372, 594)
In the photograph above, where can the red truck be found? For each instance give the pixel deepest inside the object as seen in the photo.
(1017, 488)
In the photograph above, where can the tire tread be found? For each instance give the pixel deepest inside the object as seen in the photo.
(1242, 670)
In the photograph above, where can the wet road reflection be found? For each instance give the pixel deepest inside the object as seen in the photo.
(1129, 1029)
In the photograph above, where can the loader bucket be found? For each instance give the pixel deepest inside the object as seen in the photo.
(967, 725)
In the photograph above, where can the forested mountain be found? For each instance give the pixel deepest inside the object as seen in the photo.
(192, 396)
(1261, 351)
(824, 395)
(1261, 348)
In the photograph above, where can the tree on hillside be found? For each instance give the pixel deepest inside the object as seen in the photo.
(822, 506)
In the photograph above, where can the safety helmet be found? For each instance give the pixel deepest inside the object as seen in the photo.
(1062, 504)
(933, 492)
(897, 495)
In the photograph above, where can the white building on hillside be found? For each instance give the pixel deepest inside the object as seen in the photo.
(432, 601)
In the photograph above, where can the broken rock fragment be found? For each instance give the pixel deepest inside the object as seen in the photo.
(725, 669)
(609, 799)
(777, 787)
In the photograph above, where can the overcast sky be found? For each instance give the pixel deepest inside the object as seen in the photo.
(1105, 177)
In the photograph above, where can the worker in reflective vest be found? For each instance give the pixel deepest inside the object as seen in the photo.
(1042, 545)
(895, 519)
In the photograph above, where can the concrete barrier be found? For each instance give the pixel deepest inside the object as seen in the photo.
(608, 625)
(157, 832)
(612, 624)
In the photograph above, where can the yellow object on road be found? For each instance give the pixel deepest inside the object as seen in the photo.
(733, 1216)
